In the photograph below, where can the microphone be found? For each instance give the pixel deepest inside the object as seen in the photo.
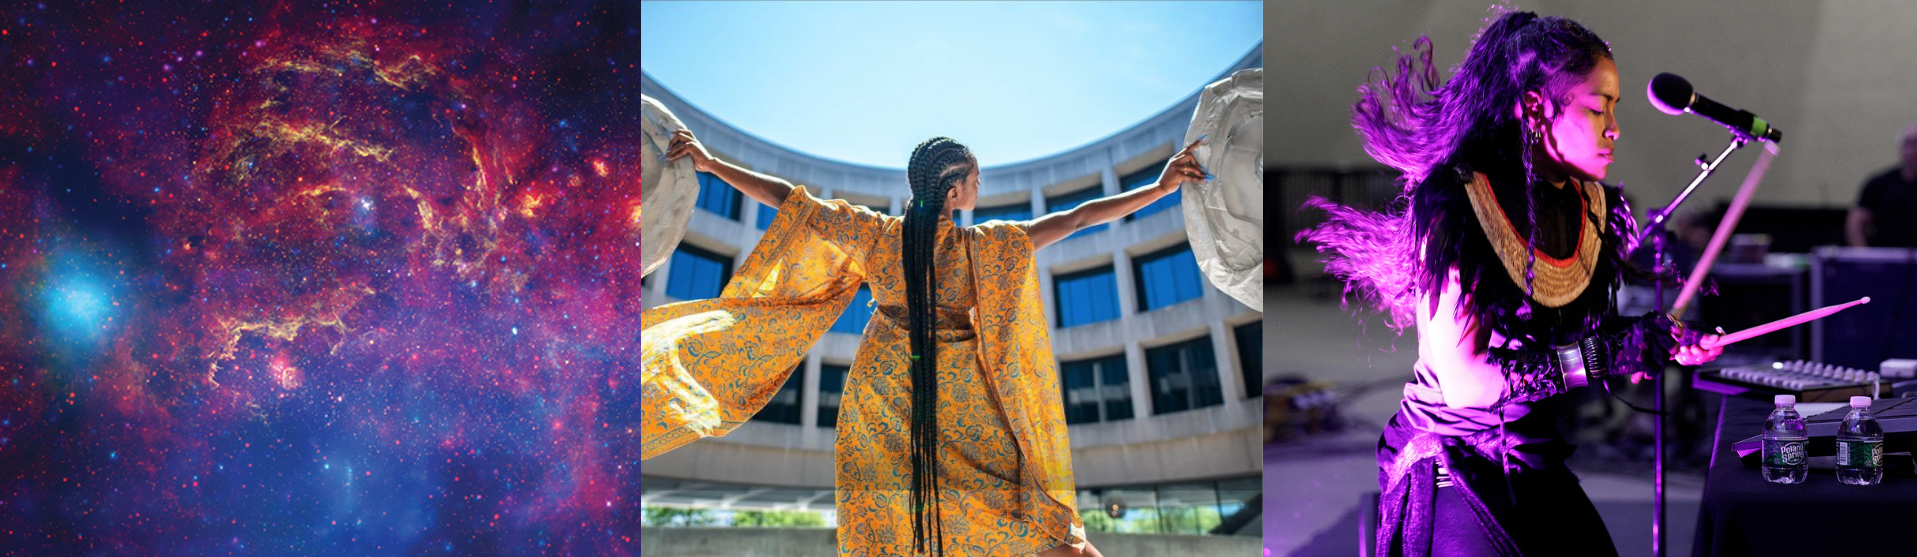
(1673, 95)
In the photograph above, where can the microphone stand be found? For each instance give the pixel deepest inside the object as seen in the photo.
(1659, 265)
(1657, 216)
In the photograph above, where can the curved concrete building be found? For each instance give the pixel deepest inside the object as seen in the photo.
(1160, 370)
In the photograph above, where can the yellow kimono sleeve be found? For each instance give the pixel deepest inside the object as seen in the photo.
(708, 365)
(1016, 352)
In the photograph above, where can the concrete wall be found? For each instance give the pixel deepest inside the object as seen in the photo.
(1833, 75)
(782, 542)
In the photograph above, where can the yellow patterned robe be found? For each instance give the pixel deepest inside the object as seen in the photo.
(1005, 463)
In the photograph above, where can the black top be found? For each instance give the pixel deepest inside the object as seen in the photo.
(1892, 203)
(1558, 209)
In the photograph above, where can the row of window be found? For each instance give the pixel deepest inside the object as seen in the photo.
(784, 407)
(1163, 278)
(1183, 375)
(697, 274)
(720, 199)
(1014, 212)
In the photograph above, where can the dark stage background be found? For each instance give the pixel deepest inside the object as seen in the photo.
(318, 278)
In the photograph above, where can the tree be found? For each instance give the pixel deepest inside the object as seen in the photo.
(1097, 521)
(1188, 520)
(671, 516)
(1164, 520)
(778, 519)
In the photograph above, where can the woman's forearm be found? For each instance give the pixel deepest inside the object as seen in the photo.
(762, 188)
(1056, 226)
(1107, 209)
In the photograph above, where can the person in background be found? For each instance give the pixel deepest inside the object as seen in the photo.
(1886, 213)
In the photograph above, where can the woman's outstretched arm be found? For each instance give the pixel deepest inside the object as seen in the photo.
(1051, 228)
(762, 188)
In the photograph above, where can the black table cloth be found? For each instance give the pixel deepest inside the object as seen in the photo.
(1741, 514)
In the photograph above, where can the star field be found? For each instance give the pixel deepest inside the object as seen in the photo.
(319, 278)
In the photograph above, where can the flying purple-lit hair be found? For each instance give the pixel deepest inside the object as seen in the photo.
(1415, 125)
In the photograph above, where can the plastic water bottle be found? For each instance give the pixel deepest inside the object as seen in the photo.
(1860, 446)
(1785, 458)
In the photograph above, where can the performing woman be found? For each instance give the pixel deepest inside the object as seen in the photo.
(1508, 312)
(951, 434)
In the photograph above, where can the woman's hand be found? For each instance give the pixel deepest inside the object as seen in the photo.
(1694, 354)
(760, 187)
(1688, 354)
(683, 145)
(1183, 167)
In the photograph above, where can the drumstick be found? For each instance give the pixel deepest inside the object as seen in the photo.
(1781, 324)
(1724, 228)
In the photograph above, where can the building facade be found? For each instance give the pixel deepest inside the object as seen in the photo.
(1160, 371)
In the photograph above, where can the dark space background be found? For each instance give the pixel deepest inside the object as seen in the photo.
(319, 278)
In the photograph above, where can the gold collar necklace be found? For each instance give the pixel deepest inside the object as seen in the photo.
(1558, 281)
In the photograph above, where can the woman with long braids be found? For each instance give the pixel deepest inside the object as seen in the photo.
(1505, 253)
(951, 435)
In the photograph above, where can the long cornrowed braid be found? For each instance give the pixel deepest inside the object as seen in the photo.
(1531, 213)
(937, 165)
(1547, 54)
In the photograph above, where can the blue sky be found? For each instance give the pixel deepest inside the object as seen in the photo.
(864, 82)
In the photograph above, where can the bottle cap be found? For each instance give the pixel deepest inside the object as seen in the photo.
(1784, 399)
(1860, 402)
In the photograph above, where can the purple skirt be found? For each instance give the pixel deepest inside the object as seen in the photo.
(1536, 508)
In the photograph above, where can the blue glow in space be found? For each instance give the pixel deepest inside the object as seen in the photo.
(77, 302)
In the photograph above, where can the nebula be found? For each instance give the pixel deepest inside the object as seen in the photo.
(319, 278)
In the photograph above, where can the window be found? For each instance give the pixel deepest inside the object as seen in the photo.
(1096, 390)
(784, 406)
(831, 387)
(1184, 376)
(1014, 212)
(1166, 277)
(697, 274)
(766, 214)
(1087, 296)
(1251, 356)
(1146, 177)
(718, 197)
(1070, 200)
(856, 313)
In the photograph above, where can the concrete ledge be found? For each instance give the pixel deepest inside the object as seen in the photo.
(1198, 457)
(772, 454)
(820, 542)
(719, 461)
